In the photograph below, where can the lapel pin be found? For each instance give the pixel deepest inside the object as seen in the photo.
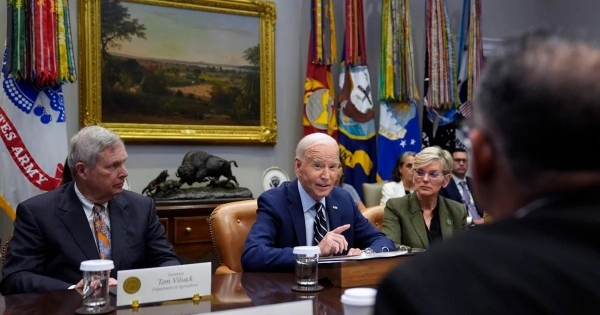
(334, 207)
(448, 222)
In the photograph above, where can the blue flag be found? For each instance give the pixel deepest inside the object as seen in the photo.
(398, 95)
(356, 123)
(398, 133)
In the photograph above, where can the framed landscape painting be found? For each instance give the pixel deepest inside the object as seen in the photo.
(158, 70)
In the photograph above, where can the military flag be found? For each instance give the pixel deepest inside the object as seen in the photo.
(470, 60)
(319, 108)
(356, 121)
(37, 60)
(440, 96)
(398, 94)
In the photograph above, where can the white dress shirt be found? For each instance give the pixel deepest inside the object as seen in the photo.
(89, 214)
(310, 213)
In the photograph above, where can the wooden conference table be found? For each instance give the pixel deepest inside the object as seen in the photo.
(228, 292)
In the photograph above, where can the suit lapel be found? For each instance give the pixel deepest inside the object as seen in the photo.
(297, 213)
(333, 216)
(119, 221)
(453, 190)
(416, 219)
(445, 219)
(77, 223)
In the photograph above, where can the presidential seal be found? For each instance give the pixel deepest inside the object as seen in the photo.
(132, 285)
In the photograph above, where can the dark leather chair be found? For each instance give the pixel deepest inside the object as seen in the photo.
(230, 224)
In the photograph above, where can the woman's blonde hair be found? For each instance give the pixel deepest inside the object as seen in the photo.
(431, 154)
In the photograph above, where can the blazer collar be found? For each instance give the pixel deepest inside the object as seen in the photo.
(296, 213)
(416, 218)
(77, 224)
(453, 192)
(74, 219)
(333, 216)
(119, 223)
(418, 223)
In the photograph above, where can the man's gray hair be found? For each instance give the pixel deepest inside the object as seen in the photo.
(312, 139)
(87, 145)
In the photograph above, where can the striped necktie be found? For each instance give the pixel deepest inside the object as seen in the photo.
(102, 233)
(320, 227)
(469, 200)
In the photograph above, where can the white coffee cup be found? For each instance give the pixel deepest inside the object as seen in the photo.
(359, 301)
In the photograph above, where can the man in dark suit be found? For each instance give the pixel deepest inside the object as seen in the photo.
(541, 255)
(310, 210)
(460, 188)
(89, 218)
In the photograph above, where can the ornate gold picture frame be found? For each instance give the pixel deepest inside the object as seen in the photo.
(176, 70)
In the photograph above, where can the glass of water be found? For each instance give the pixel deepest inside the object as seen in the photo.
(307, 262)
(96, 274)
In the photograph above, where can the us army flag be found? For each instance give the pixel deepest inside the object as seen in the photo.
(34, 140)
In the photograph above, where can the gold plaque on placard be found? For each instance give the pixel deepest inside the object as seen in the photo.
(132, 285)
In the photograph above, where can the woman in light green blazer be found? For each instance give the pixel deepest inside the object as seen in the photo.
(424, 217)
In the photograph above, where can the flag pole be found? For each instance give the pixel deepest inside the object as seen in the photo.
(7, 208)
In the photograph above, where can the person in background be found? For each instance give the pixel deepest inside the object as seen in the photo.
(91, 217)
(402, 180)
(347, 187)
(424, 217)
(460, 188)
(541, 254)
(309, 210)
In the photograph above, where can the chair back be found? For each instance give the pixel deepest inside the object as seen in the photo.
(372, 193)
(230, 224)
(375, 216)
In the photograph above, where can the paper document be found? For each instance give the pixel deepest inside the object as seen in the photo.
(363, 256)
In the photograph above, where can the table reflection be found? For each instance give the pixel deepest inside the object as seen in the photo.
(229, 291)
(272, 288)
(55, 302)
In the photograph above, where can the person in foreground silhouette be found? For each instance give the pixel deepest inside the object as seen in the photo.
(541, 254)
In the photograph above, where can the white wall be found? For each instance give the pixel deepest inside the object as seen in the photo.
(576, 15)
(500, 18)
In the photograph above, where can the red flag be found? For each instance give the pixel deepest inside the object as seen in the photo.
(318, 101)
(319, 111)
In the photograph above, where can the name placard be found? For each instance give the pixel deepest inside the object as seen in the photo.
(163, 283)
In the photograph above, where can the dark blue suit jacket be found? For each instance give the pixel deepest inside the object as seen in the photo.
(52, 237)
(279, 227)
(452, 192)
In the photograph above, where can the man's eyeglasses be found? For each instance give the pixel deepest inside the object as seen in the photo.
(460, 160)
(432, 175)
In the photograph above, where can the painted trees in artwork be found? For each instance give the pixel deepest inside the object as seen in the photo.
(147, 88)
